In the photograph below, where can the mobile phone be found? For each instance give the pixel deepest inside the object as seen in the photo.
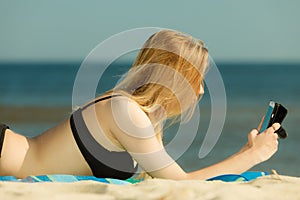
(275, 113)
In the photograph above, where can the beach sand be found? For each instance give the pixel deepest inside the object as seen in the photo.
(269, 187)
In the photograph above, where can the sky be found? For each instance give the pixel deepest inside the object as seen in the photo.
(67, 30)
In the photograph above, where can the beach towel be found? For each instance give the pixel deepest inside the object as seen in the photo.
(244, 177)
(64, 178)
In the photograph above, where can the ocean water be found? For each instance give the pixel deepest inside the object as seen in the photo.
(36, 96)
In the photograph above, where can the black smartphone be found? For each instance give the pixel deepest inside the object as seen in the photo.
(275, 113)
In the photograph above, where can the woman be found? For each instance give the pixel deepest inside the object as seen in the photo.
(122, 129)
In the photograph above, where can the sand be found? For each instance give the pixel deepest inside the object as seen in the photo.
(269, 187)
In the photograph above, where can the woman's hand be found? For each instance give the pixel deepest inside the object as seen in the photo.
(262, 145)
(265, 144)
(259, 148)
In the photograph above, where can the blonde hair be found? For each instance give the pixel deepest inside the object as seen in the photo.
(167, 67)
(166, 76)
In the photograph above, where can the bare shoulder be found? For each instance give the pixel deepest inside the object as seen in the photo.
(129, 110)
(129, 118)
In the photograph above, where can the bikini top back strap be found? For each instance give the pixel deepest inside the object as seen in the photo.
(98, 100)
(3, 128)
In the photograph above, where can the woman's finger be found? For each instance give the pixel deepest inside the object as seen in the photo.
(260, 123)
(276, 126)
(252, 134)
(273, 128)
(276, 136)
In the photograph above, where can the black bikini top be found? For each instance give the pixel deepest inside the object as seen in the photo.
(103, 163)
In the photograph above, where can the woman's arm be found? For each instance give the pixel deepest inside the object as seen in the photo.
(260, 147)
(134, 131)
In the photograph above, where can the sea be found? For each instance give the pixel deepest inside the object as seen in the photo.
(35, 96)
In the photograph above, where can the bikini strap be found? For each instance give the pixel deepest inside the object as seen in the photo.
(98, 100)
(3, 128)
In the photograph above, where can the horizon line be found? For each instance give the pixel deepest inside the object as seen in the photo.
(222, 62)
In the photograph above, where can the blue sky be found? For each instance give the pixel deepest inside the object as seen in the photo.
(67, 30)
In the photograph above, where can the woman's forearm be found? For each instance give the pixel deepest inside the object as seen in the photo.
(259, 148)
(235, 164)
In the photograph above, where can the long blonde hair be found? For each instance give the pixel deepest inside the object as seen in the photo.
(166, 76)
